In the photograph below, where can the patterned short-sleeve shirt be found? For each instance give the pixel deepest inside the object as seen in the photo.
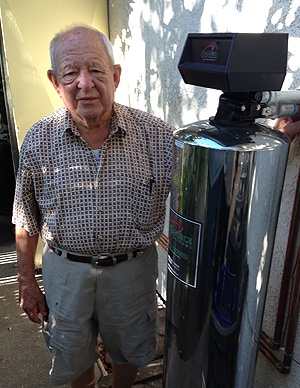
(85, 205)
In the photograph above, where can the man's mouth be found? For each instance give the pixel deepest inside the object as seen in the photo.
(87, 99)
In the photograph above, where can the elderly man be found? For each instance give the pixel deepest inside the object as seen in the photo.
(93, 180)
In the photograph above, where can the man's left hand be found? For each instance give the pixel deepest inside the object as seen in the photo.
(289, 125)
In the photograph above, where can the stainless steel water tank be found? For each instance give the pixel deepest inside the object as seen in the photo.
(226, 190)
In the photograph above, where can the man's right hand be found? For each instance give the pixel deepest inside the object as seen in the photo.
(32, 300)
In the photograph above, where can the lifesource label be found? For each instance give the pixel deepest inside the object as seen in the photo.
(184, 248)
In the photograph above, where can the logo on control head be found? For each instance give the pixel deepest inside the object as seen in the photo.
(210, 52)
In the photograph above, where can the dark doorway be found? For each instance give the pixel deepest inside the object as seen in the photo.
(9, 152)
(7, 175)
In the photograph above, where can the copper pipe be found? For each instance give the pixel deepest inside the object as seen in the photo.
(291, 271)
(288, 267)
(266, 342)
(163, 242)
(272, 358)
(294, 312)
(269, 341)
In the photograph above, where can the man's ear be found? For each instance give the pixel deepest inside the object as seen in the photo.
(117, 75)
(53, 80)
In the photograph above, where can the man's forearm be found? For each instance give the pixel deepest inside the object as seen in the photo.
(26, 248)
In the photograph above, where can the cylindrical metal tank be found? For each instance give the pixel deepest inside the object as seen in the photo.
(225, 197)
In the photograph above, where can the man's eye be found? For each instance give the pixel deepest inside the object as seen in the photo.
(98, 72)
(68, 76)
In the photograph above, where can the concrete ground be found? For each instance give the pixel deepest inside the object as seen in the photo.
(24, 358)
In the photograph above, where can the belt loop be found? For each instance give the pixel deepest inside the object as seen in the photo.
(58, 252)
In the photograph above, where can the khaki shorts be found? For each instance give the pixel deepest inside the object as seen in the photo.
(117, 302)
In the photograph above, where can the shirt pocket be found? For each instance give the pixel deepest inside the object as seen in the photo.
(136, 198)
(143, 194)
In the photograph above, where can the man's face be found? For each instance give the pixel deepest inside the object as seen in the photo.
(85, 77)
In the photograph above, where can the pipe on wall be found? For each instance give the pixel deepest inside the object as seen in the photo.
(289, 298)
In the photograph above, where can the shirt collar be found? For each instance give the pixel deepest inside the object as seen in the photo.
(67, 123)
(117, 121)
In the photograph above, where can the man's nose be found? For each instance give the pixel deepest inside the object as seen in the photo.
(85, 79)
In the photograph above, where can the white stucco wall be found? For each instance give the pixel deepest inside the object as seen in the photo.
(148, 37)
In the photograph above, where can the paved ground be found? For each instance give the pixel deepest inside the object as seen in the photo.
(24, 358)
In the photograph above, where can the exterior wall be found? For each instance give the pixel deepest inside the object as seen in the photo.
(28, 26)
(148, 37)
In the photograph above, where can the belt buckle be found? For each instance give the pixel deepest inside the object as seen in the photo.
(96, 258)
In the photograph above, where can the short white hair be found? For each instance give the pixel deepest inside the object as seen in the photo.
(60, 35)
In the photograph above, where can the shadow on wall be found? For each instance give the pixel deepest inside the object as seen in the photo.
(163, 48)
(285, 17)
(163, 28)
(171, 39)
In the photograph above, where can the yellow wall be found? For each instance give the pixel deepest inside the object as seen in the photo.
(28, 26)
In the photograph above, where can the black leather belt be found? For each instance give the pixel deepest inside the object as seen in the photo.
(101, 259)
